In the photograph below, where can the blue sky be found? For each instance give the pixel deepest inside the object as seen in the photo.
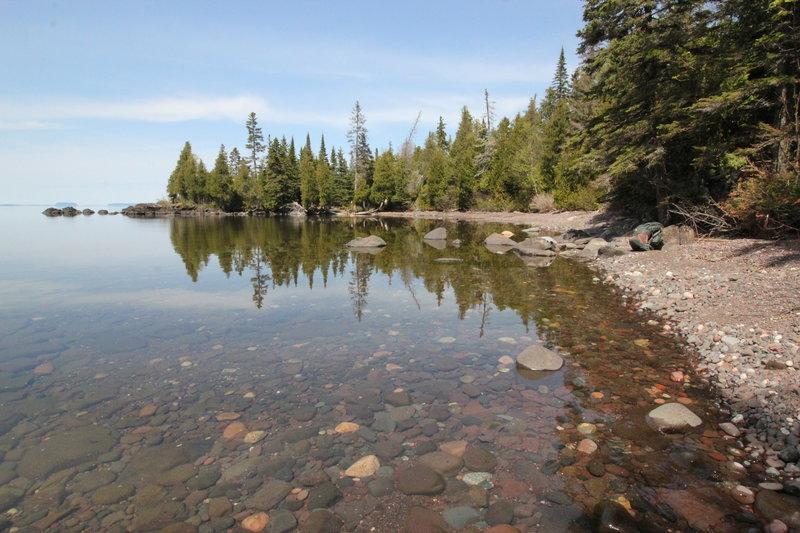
(98, 97)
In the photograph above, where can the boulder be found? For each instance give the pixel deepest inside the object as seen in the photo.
(373, 241)
(438, 234)
(70, 212)
(103, 212)
(531, 244)
(592, 248)
(538, 358)
(574, 234)
(672, 416)
(495, 239)
(677, 235)
(52, 212)
(87, 212)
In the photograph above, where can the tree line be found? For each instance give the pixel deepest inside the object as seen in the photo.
(679, 108)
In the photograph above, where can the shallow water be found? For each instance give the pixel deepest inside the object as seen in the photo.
(131, 348)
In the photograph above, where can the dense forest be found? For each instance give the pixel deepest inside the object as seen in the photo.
(679, 109)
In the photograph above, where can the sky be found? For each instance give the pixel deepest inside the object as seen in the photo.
(97, 98)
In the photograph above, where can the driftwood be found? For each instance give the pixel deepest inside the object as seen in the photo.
(373, 211)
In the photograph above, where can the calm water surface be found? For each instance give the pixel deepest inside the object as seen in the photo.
(197, 371)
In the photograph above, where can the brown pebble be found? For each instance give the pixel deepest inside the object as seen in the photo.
(43, 369)
(255, 522)
(148, 410)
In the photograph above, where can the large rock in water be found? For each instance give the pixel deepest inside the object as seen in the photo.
(373, 241)
(538, 358)
(672, 416)
(495, 239)
(438, 234)
(64, 450)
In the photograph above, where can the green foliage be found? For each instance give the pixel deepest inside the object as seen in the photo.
(187, 183)
(463, 152)
(389, 181)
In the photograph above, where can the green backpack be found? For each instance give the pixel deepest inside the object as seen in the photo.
(647, 236)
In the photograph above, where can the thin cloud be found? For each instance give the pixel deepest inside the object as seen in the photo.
(18, 125)
(167, 109)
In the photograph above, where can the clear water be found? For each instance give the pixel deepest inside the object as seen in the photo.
(130, 346)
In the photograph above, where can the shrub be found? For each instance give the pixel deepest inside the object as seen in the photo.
(543, 202)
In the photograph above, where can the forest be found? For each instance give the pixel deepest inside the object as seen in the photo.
(679, 109)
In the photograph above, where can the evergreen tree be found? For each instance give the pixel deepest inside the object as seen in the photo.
(255, 143)
(342, 181)
(463, 152)
(219, 185)
(182, 181)
(234, 161)
(275, 181)
(309, 193)
(441, 136)
(643, 61)
(323, 176)
(389, 183)
(360, 153)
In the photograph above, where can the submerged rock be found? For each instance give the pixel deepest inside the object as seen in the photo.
(420, 479)
(538, 358)
(64, 450)
(672, 416)
(613, 517)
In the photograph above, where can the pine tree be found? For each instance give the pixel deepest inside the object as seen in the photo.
(644, 53)
(360, 153)
(255, 143)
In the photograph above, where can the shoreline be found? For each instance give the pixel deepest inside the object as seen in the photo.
(733, 303)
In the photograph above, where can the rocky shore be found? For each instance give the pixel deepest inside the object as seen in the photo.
(734, 302)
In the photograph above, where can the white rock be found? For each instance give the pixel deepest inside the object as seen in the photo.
(672, 416)
(475, 478)
(539, 358)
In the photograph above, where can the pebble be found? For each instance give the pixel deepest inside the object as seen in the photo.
(587, 446)
(255, 522)
(743, 495)
(476, 478)
(234, 430)
(364, 467)
(254, 436)
(347, 427)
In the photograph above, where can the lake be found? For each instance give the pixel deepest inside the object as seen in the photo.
(203, 374)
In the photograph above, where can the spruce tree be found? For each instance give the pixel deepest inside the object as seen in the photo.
(323, 176)
(182, 179)
(309, 193)
(463, 152)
